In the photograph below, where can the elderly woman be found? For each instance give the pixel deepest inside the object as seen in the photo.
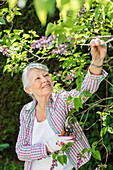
(43, 119)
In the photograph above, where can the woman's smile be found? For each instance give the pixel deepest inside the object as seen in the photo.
(46, 86)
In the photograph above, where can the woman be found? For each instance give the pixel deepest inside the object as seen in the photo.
(42, 120)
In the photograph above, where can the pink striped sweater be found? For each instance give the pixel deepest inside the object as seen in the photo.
(57, 112)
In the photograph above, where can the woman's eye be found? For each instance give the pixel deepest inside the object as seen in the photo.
(37, 78)
(46, 75)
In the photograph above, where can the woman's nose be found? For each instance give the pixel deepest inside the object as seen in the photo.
(44, 79)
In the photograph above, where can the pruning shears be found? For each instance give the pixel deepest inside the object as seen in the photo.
(68, 129)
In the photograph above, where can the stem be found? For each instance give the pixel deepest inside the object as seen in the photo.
(94, 104)
(104, 36)
(92, 124)
(3, 2)
(34, 55)
(98, 142)
(108, 82)
(106, 153)
(13, 18)
(108, 60)
(85, 119)
(90, 44)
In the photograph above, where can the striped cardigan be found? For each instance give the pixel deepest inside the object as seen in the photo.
(57, 112)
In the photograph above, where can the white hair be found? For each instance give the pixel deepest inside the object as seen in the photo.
(26, 71)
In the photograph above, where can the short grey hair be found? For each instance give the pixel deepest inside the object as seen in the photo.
(26, 71)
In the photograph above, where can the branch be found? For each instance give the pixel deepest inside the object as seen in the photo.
(13, 18)
(82, 38)
(92, 124)
(34, 55)
(98, 142)
(85, 119)
(108, 82)
(94, 104)
(108, 60)
(101, 44)
(106, 154)
(3, 2)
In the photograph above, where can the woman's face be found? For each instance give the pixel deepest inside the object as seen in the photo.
(41, 83)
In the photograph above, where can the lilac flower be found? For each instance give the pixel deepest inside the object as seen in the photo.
(104, 165)
(7, 55)
(38, 45)
(1, 49)
(44, 42)
(81, 12)
(71, 76)
(33, 46)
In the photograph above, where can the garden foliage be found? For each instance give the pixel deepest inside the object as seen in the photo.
(65, 49)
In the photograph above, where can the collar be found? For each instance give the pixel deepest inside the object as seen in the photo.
(32, 104)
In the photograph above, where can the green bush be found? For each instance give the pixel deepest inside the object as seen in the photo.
(19, 49)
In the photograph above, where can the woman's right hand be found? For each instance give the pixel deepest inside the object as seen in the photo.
(56, 142)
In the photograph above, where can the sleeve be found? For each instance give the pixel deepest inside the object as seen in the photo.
(25, 151)
(91, 83)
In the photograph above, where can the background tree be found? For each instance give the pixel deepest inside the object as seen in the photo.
(63, 39)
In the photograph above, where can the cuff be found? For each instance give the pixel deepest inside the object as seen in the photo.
(44, 150)
(97, 77)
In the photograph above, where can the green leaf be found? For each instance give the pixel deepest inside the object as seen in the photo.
(90, 150)
(34, 33)
(71, 112)
(74, 120)
(48, 29)
(60, 159)
(103, 131)
(12, 3)
(69, 144)
(96, 155)
(18, 13)
(26, 36)
(6, 31)
(15, 44)
(2, 21)
(4, 146)
(17, 31)
(93, 144)
(69, 99)
(110, 130)
(40, 7)
(78, 103)
(63, 147)
(65, 159)
(87, 94)
(111, 110)
(111, 16)
(84, 150)
(4, 10)
(54, 156)
(81, 123)
(50, 6)
(98, 112)
(61, 38)
(0, 34)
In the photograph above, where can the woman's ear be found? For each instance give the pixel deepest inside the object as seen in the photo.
(28, 90)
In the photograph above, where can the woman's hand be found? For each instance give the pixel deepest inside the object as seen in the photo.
(56, 142)
(98, 52)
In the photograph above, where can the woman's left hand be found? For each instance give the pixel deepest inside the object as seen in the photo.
(98, 51)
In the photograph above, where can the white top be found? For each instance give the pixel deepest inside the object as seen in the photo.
(41, 133)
